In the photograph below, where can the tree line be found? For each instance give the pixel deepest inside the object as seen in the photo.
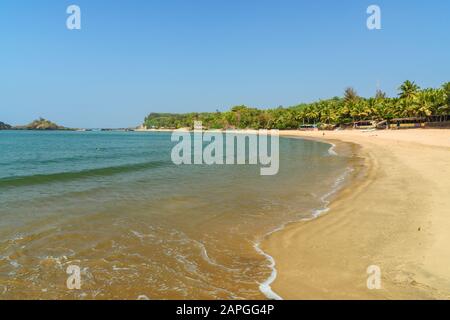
(412, 101)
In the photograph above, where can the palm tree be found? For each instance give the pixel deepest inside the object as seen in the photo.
(355, 111)
(380, 95)
(444, 110)
(384, 109)
(408, 96)
(328, 112)
(350, 95)
(424, 104)
(370, 108)
(408, 90)
(345, 113)
(446, 88)
(312, 114)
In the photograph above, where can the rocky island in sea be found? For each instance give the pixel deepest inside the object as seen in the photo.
(4, 126)
(41, 124)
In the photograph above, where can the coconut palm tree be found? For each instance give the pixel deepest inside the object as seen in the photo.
(379, 95)
(423, 104)
(408, 90)
(446, 89)
(370, 108)
(328, 112)
(408, 96)
(444, 97)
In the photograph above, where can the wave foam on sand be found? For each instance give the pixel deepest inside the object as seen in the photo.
(394, 215)
(265, 287)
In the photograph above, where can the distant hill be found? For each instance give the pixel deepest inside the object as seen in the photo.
(4, 126)
(41, 124)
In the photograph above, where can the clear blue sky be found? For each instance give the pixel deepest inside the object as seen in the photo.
(136, 57)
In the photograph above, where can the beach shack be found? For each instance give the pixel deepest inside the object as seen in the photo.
(308, 127)
(364, 125)
(438, 121)
(407, 123)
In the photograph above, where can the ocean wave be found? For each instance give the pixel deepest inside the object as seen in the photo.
(76, 158)
(82, 174)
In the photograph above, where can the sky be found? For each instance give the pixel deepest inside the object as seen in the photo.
(134, 57)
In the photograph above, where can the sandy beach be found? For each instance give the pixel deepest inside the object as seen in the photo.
(395, 215)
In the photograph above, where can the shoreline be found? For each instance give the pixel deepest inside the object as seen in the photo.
(315, 213)
(379, 219)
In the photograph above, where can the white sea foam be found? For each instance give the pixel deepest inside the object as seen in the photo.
(332, 150)
(14, 263)
(265, 287)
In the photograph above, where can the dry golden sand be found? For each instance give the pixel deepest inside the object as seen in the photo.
(396, 216)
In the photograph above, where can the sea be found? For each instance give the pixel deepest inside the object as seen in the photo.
(133, 225)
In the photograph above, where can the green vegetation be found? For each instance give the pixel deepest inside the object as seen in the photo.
(412, 101)
(4, 126)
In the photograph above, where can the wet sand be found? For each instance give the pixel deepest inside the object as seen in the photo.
(395, 215)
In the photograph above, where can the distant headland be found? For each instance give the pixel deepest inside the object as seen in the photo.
(42, 124)
(39, 124)
(4, 126)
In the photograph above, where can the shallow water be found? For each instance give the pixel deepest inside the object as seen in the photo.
(115, 205)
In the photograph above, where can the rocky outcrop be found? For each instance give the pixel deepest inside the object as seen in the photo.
(43, 124)
(4, 126)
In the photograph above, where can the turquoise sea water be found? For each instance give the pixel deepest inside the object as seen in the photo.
(115, 205)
